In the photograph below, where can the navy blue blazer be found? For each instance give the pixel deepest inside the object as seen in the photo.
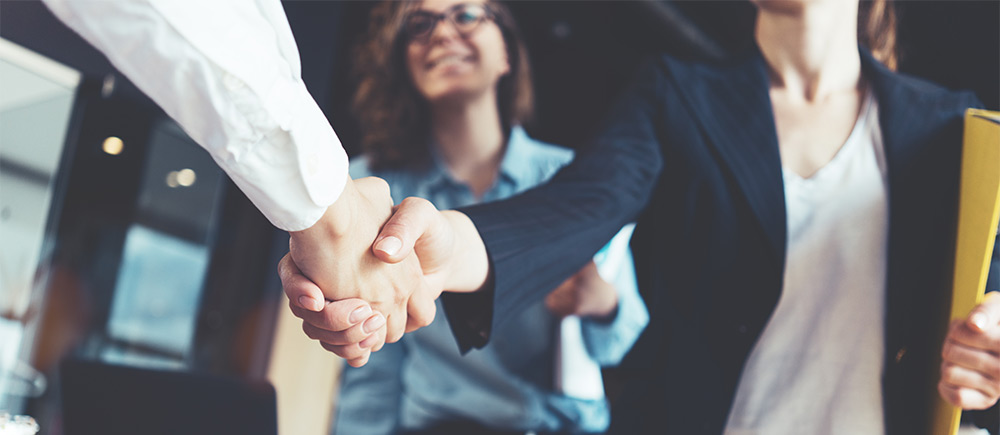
(691, 152)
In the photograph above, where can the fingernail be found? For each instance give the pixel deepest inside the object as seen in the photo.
(390, 245)
(979, 319)
(374, 323)
(368, 342)
(361, 313)
(310, 303)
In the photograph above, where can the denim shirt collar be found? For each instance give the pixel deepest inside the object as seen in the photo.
(512, 169)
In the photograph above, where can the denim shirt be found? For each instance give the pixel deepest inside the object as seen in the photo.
(423, 379)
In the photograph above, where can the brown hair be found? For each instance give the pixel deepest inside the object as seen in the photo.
(393, 115)
(877, 30)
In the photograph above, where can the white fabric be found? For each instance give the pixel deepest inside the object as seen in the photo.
(577, 374)
(817, 366)
(228, 72)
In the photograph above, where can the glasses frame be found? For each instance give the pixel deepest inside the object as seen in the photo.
(449, 16)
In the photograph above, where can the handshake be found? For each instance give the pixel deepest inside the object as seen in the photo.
(368, 272)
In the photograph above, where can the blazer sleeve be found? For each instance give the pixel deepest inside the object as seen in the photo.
(539, 238)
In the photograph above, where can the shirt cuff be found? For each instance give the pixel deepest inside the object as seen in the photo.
(609, 342)
(296, 170)
(470, 316)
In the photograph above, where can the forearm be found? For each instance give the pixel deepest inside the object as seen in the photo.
(539, 238)
(472, 267)
(312, 246)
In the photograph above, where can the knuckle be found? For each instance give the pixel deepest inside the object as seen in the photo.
(416, 203)
(376, 183)
(332, 320)
(354, 335)
(359, 362)
(347, 352)
(283, 268)
(948, 352)
(424, 320)
(309, 330)
(949, 372)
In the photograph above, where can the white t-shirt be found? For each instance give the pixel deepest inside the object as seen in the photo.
(817, 366)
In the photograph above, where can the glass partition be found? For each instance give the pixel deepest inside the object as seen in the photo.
(36, 104)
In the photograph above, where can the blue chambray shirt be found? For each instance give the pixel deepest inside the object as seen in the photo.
(423, 379)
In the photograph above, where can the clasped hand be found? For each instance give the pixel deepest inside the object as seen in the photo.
(333, 261)
(352, 279)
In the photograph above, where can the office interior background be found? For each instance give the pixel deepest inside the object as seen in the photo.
(124, 243)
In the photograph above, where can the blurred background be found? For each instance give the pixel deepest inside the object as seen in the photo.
(124, 243)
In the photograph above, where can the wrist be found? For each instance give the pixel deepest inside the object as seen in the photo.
(336, 221)
(607, 312)
(470, 267)
(312, 248)
(605, 317)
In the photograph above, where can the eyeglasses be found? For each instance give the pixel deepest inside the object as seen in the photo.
(464, 18)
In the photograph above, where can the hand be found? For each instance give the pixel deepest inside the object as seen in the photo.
(970, 370)
(348, 328)
(335, 254)
(450, 252)
(584, 294)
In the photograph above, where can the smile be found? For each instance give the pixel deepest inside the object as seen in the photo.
(452, 59)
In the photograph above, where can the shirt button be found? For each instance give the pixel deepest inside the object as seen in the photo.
(900, 354)
(231, 82)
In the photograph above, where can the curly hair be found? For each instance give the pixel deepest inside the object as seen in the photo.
(393, 115)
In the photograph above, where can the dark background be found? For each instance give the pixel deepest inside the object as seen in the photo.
(582, 51)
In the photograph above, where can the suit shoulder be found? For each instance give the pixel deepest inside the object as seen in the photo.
(936, 96)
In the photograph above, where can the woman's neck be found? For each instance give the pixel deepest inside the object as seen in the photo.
(812, 50)
(471, 141)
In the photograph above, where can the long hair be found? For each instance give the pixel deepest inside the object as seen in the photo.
(877, 30)
(393, 115)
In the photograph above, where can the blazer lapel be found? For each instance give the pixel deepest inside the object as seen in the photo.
(732, 105)
(909, 119)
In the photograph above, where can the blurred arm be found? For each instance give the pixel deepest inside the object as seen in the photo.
(608, 341)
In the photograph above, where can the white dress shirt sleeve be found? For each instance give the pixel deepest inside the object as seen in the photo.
(228, 72)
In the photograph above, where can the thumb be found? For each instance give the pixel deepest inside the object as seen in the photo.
(986, 314)
(299, 289)
(412, 219)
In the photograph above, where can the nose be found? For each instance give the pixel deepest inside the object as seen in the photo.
(443, 31)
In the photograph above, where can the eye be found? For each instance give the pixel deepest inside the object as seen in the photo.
(419, 24)
(469, 14)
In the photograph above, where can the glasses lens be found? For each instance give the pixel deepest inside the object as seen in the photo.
(468, 16)
(420, 25)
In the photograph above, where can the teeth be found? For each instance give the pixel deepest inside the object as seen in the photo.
(454, 58)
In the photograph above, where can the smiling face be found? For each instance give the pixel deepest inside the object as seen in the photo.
(447, 66)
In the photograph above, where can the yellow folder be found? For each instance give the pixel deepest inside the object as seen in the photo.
(978, 212)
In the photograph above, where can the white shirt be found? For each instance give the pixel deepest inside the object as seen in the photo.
(817, 367)
(228, 72)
